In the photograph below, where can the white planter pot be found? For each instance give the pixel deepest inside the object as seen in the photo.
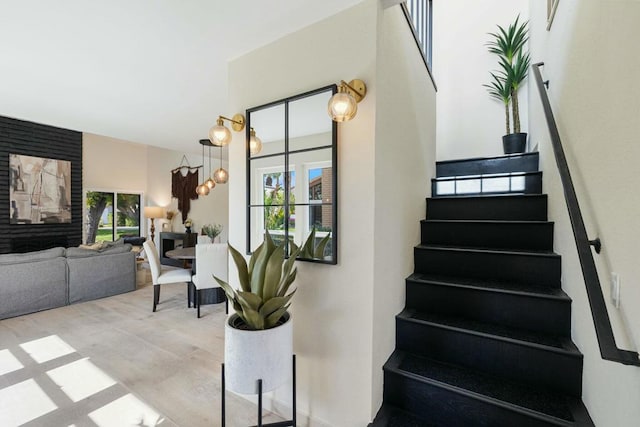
(253, 355)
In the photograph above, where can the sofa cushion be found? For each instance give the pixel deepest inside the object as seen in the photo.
(32, 256)
(31, 287)
(85, 253)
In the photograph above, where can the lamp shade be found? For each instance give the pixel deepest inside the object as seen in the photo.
(202, 190)
(154, 212)
(221, 176)
(210, 183)
(220, 135)
(255, 144)
(342, 107)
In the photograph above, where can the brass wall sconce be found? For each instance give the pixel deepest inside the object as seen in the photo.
(220, 135)
(344, 104)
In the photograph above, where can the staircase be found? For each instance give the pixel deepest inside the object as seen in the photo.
(485, 336)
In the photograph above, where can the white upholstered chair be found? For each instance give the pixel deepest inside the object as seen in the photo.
(160, 276)
(211, 259)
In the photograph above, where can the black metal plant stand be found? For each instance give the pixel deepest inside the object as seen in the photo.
(287, 423)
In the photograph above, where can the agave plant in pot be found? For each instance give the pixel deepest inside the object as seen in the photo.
(259, 335)
(508, 44)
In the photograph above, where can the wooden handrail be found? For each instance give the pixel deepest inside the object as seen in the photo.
(606, 340)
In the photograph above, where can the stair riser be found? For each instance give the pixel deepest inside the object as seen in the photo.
(533, 365)
(546, 315)
(508, 208)
(448, 408)
(505, 235)
(516, 267)
(488, 185)
(521, 163)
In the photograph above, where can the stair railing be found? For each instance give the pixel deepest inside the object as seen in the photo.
(419, 15)
(606, 340)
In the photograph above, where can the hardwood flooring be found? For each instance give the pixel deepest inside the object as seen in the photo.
(112, 362)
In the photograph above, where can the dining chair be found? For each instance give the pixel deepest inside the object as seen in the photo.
(160, 276)
(211, 259)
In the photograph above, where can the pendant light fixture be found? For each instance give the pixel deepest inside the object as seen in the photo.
(210, 182)
(343, 106)
(202, 189)
(221, 176)
(220, 135)
(255, 144)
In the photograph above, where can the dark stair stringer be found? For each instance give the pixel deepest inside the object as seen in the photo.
(485, 336)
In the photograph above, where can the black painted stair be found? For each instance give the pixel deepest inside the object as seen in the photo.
(484, 339)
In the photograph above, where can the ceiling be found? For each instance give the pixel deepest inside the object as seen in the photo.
(147, 71)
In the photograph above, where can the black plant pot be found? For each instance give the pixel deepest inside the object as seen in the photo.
(514, 143)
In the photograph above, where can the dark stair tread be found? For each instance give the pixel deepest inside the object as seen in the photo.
(495, 159)
(391, 416)
(509, 251)
(496, 285)
(560, 343)
(524, 396)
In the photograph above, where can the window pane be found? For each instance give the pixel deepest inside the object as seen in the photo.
(271, 218)
(128, 215)
(309, 124)
(99, 216)
(318, 220)
(268, 125)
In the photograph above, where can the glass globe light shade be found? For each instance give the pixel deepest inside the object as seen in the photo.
(342, 107)
(202, 190)
(255, 144)
(221, 176)
(210, 183)
(219, 134)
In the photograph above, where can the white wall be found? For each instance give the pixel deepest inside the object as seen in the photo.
(113, 164)
(333, 306)
(110, 163)
(404, 165)
(469, 122)
(594, 93)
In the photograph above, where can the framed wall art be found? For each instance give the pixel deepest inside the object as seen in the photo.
(39, 190)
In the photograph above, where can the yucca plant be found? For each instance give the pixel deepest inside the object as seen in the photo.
(500, 89)
(508, 44)
(262, 298)
(517, 74)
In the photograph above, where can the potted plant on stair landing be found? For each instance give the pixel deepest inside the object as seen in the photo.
(259, 336)
(514, 63)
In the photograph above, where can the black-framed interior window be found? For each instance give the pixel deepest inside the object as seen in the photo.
(292, 181)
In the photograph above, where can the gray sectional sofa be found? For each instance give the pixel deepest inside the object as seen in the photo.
(56, 277)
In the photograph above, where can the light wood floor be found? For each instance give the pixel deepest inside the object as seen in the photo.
(95, 363)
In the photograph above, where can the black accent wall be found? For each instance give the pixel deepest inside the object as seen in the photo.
(33, 139)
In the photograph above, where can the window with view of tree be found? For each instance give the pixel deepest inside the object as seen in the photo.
(111, 215)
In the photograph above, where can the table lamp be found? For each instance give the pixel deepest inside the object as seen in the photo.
(153, 212)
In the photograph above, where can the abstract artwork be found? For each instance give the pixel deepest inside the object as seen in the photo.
(39, 190)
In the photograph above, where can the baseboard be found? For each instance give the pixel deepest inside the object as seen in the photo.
(278, 407)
